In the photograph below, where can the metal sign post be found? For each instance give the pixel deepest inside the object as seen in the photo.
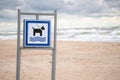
(19, 48)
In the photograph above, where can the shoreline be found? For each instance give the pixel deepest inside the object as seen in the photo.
(67, 41)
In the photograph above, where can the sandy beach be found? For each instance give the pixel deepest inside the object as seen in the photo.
(75, 61)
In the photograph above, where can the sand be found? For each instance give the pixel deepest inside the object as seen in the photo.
(75, 61)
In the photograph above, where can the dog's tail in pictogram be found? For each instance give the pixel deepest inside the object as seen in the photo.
(33, 28)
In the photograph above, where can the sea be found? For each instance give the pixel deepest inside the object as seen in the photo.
(93, 34)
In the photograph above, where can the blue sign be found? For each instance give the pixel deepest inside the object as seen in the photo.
(36, 33)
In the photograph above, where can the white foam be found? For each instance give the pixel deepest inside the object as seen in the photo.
(92, 34)
(8, 37)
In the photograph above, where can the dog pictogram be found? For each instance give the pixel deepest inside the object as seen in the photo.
(38, 30)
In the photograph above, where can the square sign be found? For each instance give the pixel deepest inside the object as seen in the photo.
(36, 33)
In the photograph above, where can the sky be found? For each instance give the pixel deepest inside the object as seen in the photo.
(71, 13)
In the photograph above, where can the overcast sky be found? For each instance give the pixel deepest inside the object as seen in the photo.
(71, 13)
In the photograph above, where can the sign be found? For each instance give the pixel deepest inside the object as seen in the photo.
(36, 33)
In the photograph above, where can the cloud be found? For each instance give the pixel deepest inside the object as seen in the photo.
(8, 4)
(94, 8)
(8, 15)
(8, 11)
(113, 3)
(76, 21)
(73, 10)
(42, 4)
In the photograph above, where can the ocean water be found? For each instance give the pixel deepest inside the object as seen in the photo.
(77, 34)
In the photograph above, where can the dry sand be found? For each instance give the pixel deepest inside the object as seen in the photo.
(75, 61)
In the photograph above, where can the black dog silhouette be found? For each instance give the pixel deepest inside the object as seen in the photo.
(38, 30)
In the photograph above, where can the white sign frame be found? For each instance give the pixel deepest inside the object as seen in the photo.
(26, 40)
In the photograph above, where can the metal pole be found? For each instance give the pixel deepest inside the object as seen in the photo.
(18, 48)
(18, 62)
(37, 17)
(54, 50)
(42, 14)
